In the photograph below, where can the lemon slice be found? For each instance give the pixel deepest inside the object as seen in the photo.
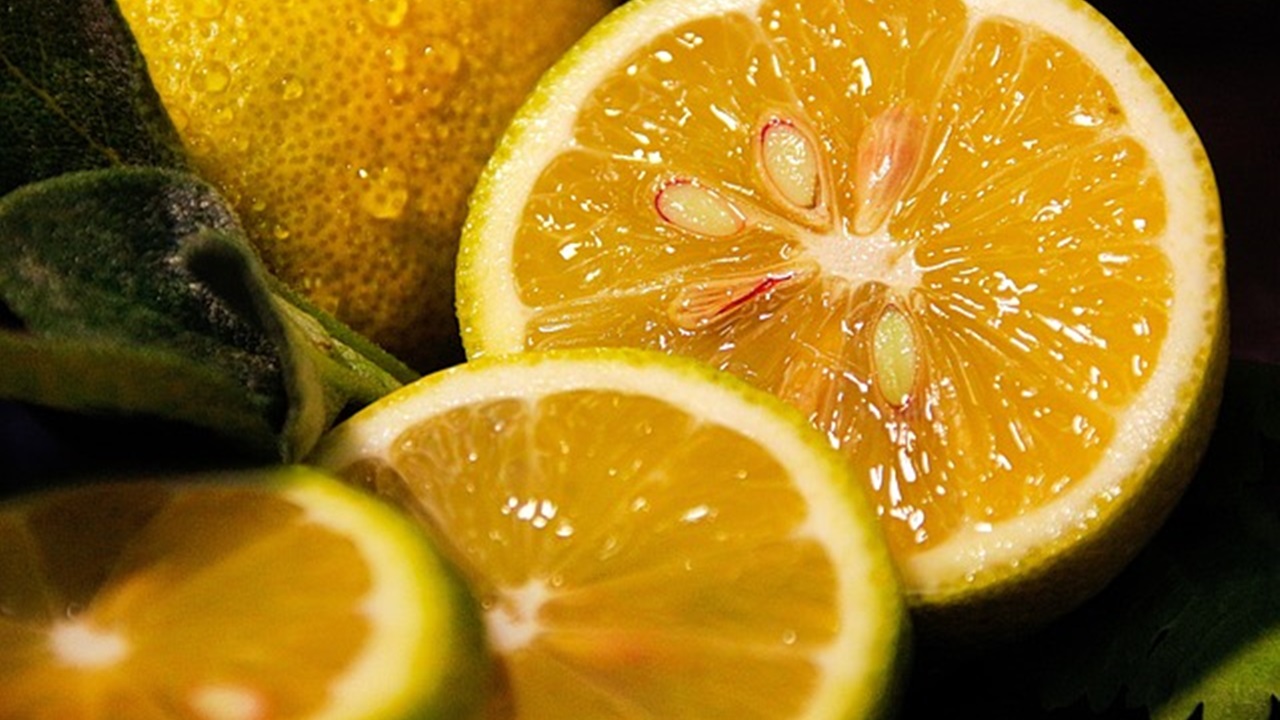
(275, 594)
(647, 538)
(977, 243)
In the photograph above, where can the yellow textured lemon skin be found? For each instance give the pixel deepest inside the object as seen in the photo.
(348, 134)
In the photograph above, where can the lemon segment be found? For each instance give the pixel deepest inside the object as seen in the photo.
(276, 593)
(978, 245)
(647, 538)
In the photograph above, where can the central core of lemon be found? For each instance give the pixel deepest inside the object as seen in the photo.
(859, 259)
(80, 644)
(512, 619)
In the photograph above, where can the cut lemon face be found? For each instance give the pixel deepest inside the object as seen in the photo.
(648, 538)
(280, 594)
(976, 243)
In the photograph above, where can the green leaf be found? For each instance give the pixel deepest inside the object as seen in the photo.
(133, 290)
(1195, 621)
(75, 94)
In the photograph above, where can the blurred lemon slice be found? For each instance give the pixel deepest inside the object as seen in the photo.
(281, 593)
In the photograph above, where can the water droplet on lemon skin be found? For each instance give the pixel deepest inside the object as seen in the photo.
(208, 9)
(291, 88)
(397, 55)
(387, 13)
(386, 194)
(213, 78)
(179, 118)
(426, 77)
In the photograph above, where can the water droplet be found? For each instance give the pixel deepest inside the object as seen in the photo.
(208, 9)
(213, 77)
(443, 57)
(291, 88)
(387, 13)
(397, 55)
(280, 232)
(387, 193)
(224, 115)
(80, 644)
(429, 76)
(179, 118)
(398, 87)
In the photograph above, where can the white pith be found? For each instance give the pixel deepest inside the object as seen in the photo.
(851, 665)
(404, 607)
(1189, 242)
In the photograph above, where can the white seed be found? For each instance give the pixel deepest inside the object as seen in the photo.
(896, 356)
(790, 163)
(698, 209)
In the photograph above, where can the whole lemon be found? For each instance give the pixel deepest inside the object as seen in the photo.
(348, 134)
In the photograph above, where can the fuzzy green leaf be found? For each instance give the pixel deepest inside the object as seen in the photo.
(1194, 623)
(133, 290)
(75, 94)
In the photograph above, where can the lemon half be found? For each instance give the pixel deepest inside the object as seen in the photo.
(977, 243)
